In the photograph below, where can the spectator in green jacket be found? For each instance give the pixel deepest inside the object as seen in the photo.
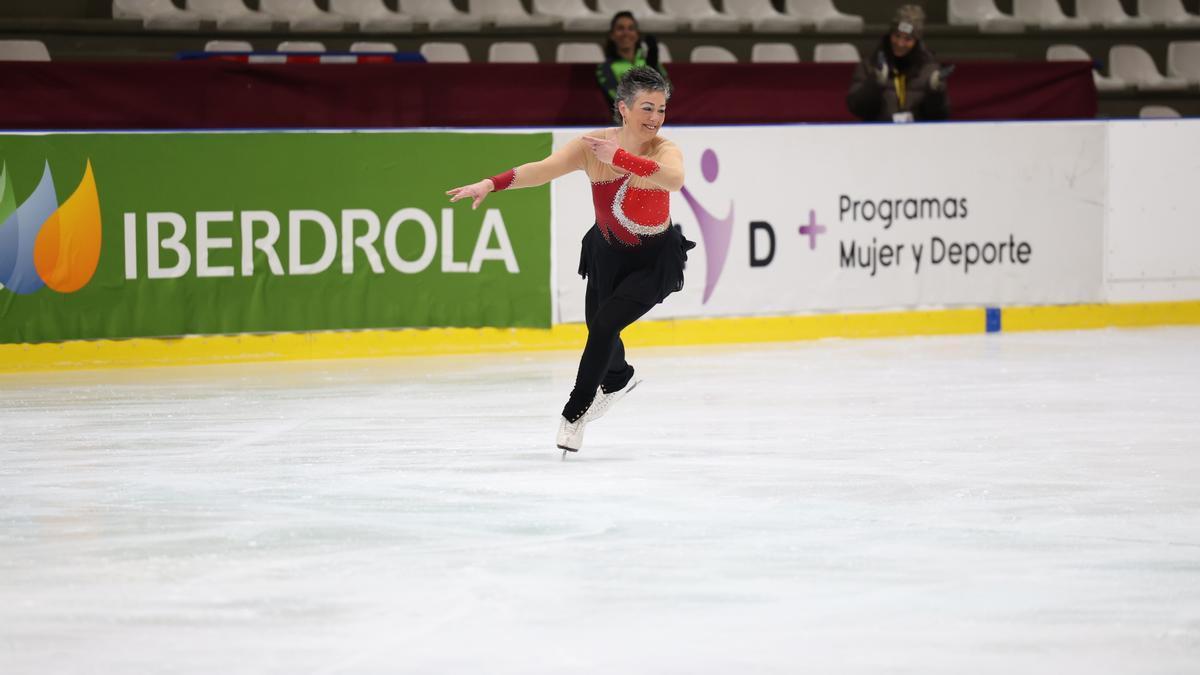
(625, 48)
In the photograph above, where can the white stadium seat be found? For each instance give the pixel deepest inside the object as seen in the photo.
(774, 52)
(575, 15)
(1108, 13)
(664, 54)
(1135, 65)
(763, 17)
(1162, 112)
(230, 14)
(984, 14)
(1046, 14)
(301, 15)
(579, 52)
(836, 52)
(712, 54)
(228, 46)
(1183, 61)
(1169, 13)
(512, 52)
(649, 20)
(373, 48)
(1075, 53)
(156, 14)
(440, 15)
(371, 16)
(825, 16)
(445, 52)
(509, 14)
(300, 47)
(23, 50)
(701, 16)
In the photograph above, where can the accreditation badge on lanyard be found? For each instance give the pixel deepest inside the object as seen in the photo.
(901, 85)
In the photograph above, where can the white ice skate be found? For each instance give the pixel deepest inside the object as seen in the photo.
(570, 434)
(604, 401)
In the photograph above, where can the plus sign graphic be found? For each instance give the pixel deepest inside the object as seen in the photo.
(812, 229)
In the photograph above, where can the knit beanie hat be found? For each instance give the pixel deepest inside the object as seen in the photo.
(910, 19)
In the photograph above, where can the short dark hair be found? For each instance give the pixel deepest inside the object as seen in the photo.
(624, 14)
(639, 79)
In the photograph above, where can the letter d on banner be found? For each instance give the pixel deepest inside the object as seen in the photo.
(755, 227)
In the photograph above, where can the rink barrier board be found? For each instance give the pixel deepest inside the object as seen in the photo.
(202, 350)
(1083, 317)
(234, 233)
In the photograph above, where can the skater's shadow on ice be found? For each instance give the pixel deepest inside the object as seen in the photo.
(540, 456)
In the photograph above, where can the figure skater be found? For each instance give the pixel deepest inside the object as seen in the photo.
(633, 257)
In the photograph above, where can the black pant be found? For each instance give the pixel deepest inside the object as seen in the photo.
(603, 361)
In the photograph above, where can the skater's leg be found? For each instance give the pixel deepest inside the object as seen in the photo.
(604, 331)
(619, 372)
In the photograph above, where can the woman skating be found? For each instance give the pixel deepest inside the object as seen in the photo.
(632, 257)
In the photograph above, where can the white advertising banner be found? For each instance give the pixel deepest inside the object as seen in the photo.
(798, 219)
(1153, 243)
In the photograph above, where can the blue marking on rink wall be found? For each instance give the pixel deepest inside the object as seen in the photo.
(993, 319)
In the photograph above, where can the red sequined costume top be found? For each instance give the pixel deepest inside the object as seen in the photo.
(631, 195)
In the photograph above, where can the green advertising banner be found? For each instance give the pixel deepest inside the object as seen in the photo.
(140, 235)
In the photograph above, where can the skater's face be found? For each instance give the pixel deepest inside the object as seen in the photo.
(624, 34)
(902, 44)
(647, 114)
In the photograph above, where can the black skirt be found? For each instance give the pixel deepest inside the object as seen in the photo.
(646, 273)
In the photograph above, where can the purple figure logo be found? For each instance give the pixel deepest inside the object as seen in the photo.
(715, 232)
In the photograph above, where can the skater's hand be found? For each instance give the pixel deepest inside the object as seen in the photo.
(476, 192)
(604, 148)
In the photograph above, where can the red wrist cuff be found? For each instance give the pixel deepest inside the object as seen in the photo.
(633, 164)
(504, 180)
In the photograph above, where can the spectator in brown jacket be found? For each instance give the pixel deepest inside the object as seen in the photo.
(901, 81)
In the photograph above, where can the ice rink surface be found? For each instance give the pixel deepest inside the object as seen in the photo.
(1024, 503)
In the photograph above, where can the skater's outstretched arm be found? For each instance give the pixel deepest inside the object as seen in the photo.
(664, 167)
(566, 159)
